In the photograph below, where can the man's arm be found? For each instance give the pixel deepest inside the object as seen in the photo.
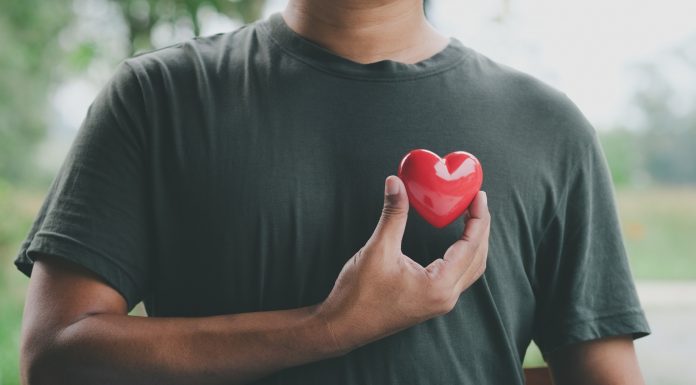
(76, 330)
(606, 361)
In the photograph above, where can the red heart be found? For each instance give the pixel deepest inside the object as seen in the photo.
(440, 189)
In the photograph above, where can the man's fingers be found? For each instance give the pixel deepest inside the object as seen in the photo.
(392, 223)
(478, 219)
(459, 259)
(475, 270)
(463, 257)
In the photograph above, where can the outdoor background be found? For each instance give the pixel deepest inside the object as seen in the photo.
(629, 65)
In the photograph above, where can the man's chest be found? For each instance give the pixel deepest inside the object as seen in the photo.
(260, 201)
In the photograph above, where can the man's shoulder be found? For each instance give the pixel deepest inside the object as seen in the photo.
(533, 104)
(514, 83)
(191, 56)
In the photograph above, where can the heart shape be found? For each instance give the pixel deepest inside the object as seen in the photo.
(440, 189)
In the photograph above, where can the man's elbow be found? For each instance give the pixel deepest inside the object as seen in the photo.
(43, 360)
(35, 364)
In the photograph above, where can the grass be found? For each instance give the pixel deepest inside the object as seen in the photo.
(11, 303)
(658, 226)
(17, 210)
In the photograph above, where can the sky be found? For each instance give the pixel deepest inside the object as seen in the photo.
(589, 49)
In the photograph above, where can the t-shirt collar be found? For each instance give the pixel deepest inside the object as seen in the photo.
(322, 58)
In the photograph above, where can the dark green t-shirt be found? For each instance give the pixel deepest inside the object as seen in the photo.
(238, 172)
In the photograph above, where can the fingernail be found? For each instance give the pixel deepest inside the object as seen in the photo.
(485, 199)
(392, 187)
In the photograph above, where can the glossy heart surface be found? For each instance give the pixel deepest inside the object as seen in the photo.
(440, 189)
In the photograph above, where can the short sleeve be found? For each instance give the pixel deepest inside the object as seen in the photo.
(96, 212)
(585, 287)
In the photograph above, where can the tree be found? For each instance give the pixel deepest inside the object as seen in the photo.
(32, 61)
(30, 54)
(668, 132)
(141, 16)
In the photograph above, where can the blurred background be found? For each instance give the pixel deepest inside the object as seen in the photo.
(629, 65)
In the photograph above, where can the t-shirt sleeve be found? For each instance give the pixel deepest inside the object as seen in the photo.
(96, 211)
(585, 287)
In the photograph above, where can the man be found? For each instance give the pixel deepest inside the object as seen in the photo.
(231, 183)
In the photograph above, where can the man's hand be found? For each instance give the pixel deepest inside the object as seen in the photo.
(381, 291)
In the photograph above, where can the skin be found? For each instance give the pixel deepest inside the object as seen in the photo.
(604, 361)
(367, 31)
(76, 329)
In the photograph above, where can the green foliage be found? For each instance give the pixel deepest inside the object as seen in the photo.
(17, 210)
(33, 61)
(670, 150)
(30, 53)
(82, 56)
(621, 149)
(658, 154)
(10, 321)
(661, 148)
(14, 221)
(141, 16)
(668, 140)
(533, 357)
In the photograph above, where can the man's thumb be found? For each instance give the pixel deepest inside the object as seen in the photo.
(392, 223)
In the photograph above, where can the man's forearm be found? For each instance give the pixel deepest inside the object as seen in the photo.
(222, 349)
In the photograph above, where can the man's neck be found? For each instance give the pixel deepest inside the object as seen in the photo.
(367, 31)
